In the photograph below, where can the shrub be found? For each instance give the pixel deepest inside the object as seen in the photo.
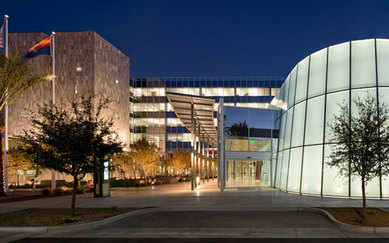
(132, 182)
(118, 183)
(46, 191)
(59, 191)
(114, 209)
(124, 183)
(67, 220)
(358, 220)
(371, 212)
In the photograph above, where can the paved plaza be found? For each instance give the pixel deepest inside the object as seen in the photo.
(203, 213)
(207, 197)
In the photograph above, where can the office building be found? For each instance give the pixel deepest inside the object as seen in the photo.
(152, 117)
(86, 64)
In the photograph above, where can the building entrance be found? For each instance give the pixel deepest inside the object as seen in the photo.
(247, 173)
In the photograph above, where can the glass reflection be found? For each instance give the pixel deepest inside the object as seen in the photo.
(249, 129)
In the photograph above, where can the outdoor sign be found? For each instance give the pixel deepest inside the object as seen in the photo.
(102, 180)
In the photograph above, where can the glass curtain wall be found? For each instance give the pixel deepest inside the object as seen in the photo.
(249, 130)
(153, 118)
(308, 101)
(247, 173)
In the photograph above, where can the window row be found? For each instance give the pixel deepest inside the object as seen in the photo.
(154, 107)
(158, 139)
(205, 82)
(142, 107)
(252, 91)
(157, 122)
(182, 137)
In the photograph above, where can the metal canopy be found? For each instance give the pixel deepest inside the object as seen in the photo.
(202, 112)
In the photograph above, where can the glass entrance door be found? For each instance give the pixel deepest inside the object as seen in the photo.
(244, 173)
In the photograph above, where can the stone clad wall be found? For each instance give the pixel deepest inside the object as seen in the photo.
(85, 64)
(112, 75)
(74, 50)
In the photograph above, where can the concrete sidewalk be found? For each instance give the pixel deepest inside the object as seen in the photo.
(180, 197)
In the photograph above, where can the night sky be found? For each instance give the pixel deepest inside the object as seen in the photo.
(208, 37)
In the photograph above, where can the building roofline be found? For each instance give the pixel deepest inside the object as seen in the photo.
(26, 32)
(187, 77)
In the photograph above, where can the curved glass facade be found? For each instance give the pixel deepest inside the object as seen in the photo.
(309, 99)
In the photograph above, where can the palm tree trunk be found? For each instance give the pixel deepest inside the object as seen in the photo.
(2, 181)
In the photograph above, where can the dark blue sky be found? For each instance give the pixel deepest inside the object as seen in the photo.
(209, 37)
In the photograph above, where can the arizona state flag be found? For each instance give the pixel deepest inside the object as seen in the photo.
(40, 49)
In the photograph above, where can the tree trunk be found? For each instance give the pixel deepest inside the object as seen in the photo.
(363, 198)
(2, 182)
(34, 182)
(75, 184)
(33, 187)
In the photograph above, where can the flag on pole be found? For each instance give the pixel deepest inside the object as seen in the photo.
(2, 37)
(42, 48)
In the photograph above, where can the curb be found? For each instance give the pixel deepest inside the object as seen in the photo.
(78, 227)
(344, 226)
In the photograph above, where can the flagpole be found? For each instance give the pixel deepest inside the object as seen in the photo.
(52, 45)
(6, 114)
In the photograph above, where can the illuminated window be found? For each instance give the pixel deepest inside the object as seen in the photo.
(149, 92)
(149, 122)
(274, 91)
(252, 91)
(150, 107)
(229, 104)
(253, 105)
(180, 137)
(218, 91)
(169, 107)
(137, 136)
(174, 122)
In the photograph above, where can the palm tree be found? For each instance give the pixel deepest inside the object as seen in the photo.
(16, 77)
(238, 129)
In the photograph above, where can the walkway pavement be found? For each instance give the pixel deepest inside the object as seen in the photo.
(204, 213)
(179, 197)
